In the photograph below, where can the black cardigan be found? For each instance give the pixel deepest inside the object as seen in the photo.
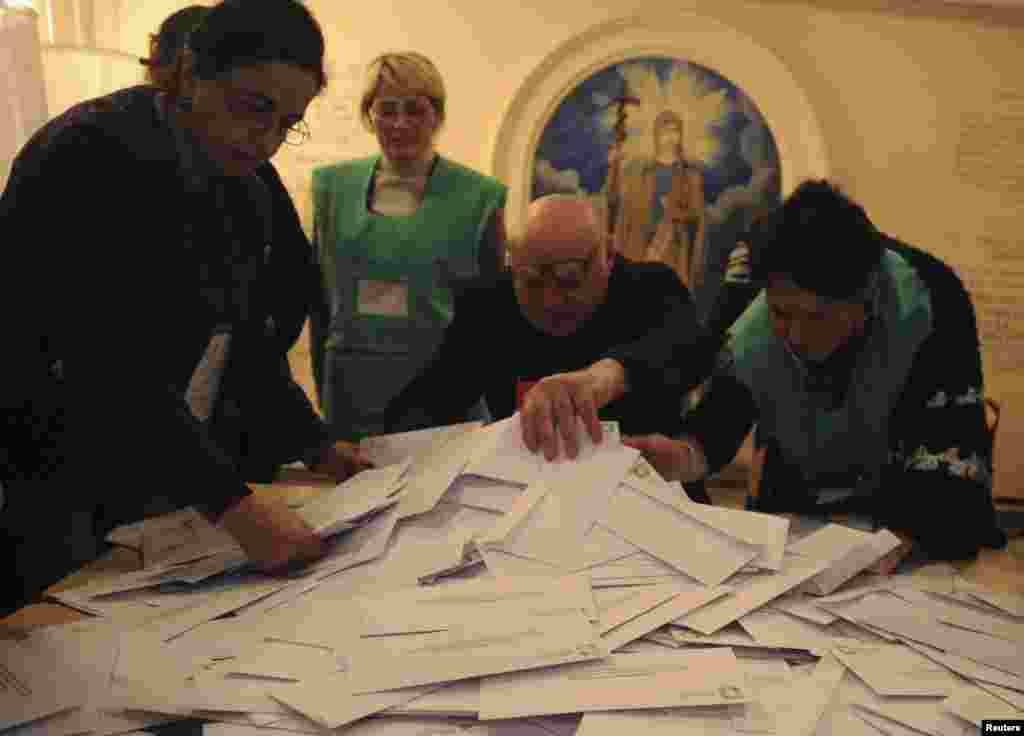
(104, 322)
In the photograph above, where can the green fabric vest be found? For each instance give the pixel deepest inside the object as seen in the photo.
(853, 439)
(371, 353)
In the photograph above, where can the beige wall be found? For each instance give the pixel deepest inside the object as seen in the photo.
(888, 90)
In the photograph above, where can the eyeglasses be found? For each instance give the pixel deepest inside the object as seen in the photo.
(257, 111)
(568, 275)
(416, 109)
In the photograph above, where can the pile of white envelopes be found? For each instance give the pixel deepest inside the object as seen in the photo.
(474, 588)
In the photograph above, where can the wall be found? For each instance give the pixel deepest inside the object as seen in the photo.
(905, 100)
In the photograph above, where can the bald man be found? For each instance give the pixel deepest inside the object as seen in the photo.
(564, 326)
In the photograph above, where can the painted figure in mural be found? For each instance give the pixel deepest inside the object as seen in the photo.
(660, 204)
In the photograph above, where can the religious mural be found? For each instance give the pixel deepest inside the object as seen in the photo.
(677, 159)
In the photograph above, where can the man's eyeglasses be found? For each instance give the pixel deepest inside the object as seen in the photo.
(388, 109)
(257, 111)
(568, 275)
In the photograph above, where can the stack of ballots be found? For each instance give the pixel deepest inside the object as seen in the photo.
(473, 588)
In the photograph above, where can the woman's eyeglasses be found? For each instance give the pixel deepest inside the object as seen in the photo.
(259, 112)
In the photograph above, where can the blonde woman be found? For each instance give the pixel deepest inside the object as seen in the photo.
(395, 234)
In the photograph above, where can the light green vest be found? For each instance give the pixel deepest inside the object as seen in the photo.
(854, 438)
(387, 280)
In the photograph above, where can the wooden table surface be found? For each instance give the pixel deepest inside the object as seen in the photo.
(1001, 570)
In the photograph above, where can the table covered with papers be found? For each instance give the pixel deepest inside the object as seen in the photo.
(472, 588)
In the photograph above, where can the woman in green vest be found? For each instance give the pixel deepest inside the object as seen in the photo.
(395, 234)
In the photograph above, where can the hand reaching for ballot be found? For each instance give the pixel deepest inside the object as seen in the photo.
(551, 407)
(341, 461)
(673, 459)
(888, 564)
(271, 534)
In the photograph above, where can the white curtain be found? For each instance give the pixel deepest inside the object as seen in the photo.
(23, 107)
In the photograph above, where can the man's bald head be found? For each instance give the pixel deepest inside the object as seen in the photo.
(559, 227)
(561, 264)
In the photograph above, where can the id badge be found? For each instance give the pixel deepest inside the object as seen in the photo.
(382, 298)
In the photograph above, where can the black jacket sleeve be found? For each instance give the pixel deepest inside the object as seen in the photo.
(282, 425)
(676, 353)
(722, 418)
(82, 275)
(940, 489)
(456, 377)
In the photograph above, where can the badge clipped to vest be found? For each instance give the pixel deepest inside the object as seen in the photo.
(382, 298)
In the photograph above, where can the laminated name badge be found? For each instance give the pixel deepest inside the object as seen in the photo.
(383, 298)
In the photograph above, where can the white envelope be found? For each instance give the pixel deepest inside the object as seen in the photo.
(968, 667)
(460, 699)
(182, 537)
(432, 473)
(913, 622)
(620, 682)
(617, 606)
(716, 720)
(501, 454)
(506, 565)
(886, 726)
(388, 449)
(848, 551)
(461, 603)
(330, 702)
(923, 714)
(661, 614)
(1010, 603)
(485, 647)
(638, 568)
(893, 669)
(368, 542)
(797, 604)
(286, 661)
(767, 532)
(1014, 698)
(338, 509)
(676, 537)
(587, 482)
(994, 623)
(93, 655)
(752, 595)
(778, 629)
(484, 493)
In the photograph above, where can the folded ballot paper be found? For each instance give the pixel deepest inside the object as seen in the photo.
(343, 507)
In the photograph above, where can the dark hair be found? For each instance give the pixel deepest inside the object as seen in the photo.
(242, 32)
(166, 44)
(819, 238)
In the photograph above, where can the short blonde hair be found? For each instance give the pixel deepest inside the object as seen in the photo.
(408, 70)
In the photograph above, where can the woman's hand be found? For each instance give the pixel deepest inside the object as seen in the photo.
(272, 535)
(341, 461)
(673, 459)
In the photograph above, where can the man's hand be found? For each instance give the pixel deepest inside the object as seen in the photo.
(341, 461)
(272, 535)
(673, 459)
(550, 408)
(888, 564)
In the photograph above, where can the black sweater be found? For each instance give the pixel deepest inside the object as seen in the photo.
(647, 322)
(104, 318)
